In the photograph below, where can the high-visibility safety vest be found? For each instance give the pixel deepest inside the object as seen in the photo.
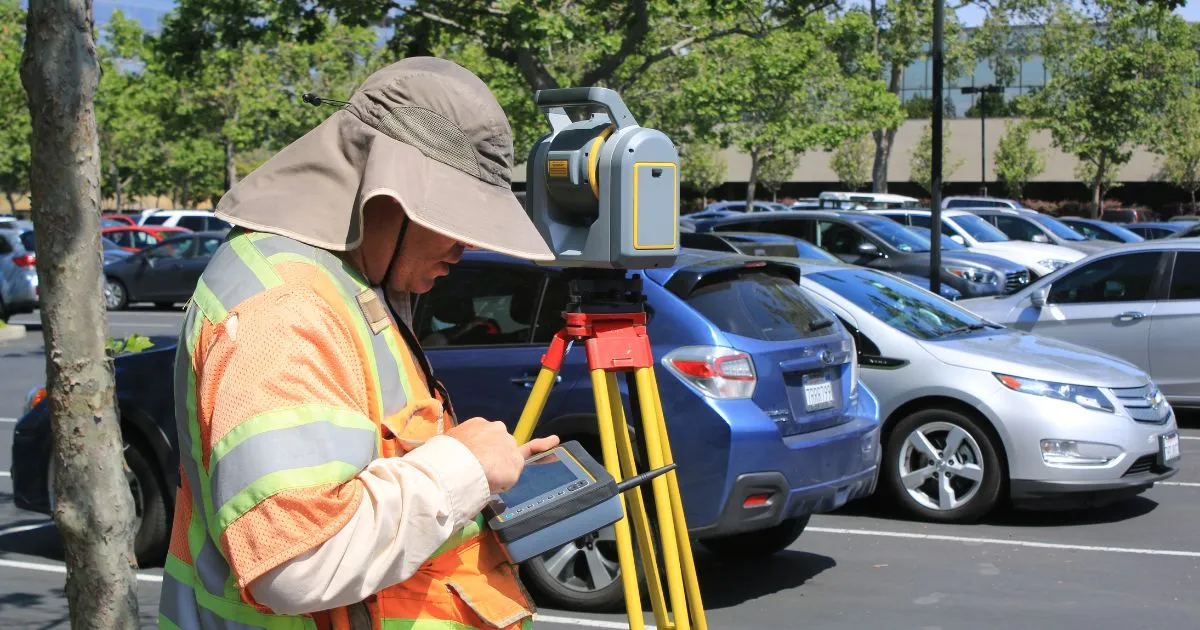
(465, 584)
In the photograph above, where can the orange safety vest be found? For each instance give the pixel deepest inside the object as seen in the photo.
(467, 583)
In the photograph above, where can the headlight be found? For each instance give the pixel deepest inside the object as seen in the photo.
(1082, 395)
(1053, 263)
(971, 274)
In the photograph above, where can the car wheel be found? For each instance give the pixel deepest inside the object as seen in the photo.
(583, 575)
(943, 466)
(151, 520)
(116, 298)
(760, 543)
(3, 311)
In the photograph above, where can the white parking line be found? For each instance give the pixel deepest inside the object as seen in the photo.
(587, 623)
(1189, 437)
(62, 568)
(5, 473)
(25, 528)
(10, 420)
(1178, 483)
(998, 541)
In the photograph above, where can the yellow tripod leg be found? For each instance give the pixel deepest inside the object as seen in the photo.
(641, 523)
(691, 581)
(534, 405)
(651, 428)
(608, 445)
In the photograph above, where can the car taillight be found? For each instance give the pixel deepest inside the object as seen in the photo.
(24, 260)
(716, 371)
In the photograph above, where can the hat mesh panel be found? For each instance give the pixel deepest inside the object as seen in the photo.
(434, 135)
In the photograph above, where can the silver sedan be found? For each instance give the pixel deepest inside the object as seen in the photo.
(1139, 302)
(975, 414)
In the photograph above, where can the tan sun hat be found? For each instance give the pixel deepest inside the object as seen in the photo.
(424, 131)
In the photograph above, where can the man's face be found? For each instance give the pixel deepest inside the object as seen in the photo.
(424, 257)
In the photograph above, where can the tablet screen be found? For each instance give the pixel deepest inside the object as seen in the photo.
(537, 478)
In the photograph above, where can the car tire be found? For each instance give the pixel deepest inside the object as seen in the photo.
(958, 487)
(3, 311)
(153, 534)
(116, 296)
(759, 543)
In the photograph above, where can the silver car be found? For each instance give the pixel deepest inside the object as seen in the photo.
(1139, 302)
(1035, 227)
(975, 413)
(18, 276)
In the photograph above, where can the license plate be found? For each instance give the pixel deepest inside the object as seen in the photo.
(1170, 447)
(818, 393)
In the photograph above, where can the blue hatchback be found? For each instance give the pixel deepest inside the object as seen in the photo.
(766, 418)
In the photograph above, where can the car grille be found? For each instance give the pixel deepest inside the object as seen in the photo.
(1144, 404)
(1145, 464)
(1016, 281)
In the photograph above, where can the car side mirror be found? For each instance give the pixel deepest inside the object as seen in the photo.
(1038, 298)
(868, 249)
(958, 239)
(1040, 238)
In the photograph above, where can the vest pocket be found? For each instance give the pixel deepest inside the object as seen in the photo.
(491, 604)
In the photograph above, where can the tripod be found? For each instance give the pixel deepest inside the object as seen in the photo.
(605, 311)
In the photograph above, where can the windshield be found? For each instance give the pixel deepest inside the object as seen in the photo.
(1126, 235)
(897, 236)
(1058, 228)
(947, 242)
(109, 245)
(978, 229)
(906, 308)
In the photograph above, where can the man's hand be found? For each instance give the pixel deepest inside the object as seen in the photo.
(497, 450)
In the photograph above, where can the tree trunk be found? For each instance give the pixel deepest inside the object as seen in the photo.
(750, 185)
(1097, 186)
(12, 201)
(883, 151)
(116, 175)
(231, 176)
(94, 510)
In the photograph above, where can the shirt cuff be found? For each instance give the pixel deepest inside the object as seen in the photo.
(458, 472)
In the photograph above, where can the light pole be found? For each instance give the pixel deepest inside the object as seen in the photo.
(935, 163)
(981, 91)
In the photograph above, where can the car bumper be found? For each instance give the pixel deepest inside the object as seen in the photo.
(1031, 419)
(21, 294)
(977, 289)
(31, 462)
(812, 472)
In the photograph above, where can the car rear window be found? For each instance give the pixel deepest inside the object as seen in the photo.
(758, 304)
(155, 220)
(28, 241)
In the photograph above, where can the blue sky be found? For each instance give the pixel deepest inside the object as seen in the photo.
(148, 12)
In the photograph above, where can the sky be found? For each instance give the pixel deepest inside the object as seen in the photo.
(148, 12)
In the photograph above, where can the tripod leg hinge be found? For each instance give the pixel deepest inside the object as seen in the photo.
(553, 359)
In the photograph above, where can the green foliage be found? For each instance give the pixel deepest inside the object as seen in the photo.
(132, 344)
(993, 105)
(921, 160)
(701, 167)
(1016, 161)
(1102, 99)
(16, 129)
(1177, 140)
(921, 108)
(851, 161)
(776, 169)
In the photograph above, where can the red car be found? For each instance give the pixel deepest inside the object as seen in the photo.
(109, 219)
(136, 238)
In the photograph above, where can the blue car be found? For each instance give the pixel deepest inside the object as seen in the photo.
(1097, 230)
(1153, 230)
(759, 386)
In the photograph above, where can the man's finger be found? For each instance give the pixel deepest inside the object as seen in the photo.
(533, 447)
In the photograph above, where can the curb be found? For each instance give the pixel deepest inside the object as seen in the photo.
(11, 331)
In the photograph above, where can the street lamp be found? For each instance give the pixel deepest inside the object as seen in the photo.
(981, 91)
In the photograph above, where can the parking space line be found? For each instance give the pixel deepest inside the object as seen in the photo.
(25, 528)
(62, 568)
(587, 623)
(5, 473)
(999, 541)
(7, 420)
(1178, 483)
(1189, 437)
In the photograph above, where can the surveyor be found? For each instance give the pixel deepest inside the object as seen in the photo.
(326, 482)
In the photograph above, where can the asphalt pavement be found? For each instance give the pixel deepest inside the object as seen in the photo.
(1131, 565)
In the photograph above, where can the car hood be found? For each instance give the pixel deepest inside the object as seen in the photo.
(978, 259)
(1021, 354)
(1024, 250)
(1091, 247)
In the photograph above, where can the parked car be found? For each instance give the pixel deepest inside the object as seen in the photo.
(864, 239)
(18, 276)
(1150, 231)
(1139, 302)
(863, 201)
(975, 414)
(112, 219)
(980, 236)
(745, 390)
(1191, 231)
(110, 250)
(959, 201)
(778, 245)
(1097, 230)
(165, 274)
(194, 220)
(135, 239)
(1126, 215)
(1027, 225)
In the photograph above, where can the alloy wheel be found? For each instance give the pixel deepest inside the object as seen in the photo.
(586, 564)
(941, 466)
(114, 294)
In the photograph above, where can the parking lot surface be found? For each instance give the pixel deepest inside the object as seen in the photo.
(1131, 565)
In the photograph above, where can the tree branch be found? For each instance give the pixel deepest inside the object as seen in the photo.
(634, 36)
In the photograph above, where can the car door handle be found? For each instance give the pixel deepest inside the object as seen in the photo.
(1130, 316)
(528, 380)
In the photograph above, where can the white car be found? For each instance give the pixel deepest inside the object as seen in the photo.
(194, 220)
(978, 235)
(980, 202)
(831, 200)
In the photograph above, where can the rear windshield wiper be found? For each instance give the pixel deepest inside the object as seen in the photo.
(818, 324)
